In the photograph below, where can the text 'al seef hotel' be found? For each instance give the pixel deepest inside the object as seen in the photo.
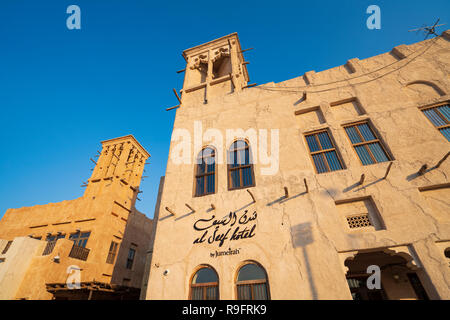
(292, 190)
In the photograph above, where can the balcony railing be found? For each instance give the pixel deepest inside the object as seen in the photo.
(79, 253)
(49, 248)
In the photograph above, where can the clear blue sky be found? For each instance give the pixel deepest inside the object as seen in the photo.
(63, 91)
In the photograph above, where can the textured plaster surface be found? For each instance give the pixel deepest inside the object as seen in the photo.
(302, 241)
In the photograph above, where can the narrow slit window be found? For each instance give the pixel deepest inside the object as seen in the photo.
(130, 258)
(205, 175)
(240, 166)
(323, 152)
(112, 252)
(440, 118)
(367, 145)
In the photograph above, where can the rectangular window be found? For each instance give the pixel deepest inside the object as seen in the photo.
(205, 173)
(55, 237)
(367, 145)
(240, 166)
(130, 258)
(80, 238)
(440, 118)
(323, 152)
(112, 252)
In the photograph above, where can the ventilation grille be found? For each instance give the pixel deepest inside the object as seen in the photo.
(359, 221)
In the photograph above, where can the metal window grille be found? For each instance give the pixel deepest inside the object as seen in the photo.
(79, 253)
(359, 221)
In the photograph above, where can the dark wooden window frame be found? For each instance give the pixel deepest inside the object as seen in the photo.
(76, 240)
(251, 282)
(130, 262)
(365, 142)
(240, 167)
(205, 174)
(322, 151)
(205, 285)
(440, 115)
(112, 252)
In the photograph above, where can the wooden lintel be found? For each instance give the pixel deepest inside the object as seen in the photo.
(242, 51)
(176, 94)
(251, 195)
(249, 85)
(442, 160)
(387, 170)
(170, 211)
(422, 169)
(174, 107)
(361, 180)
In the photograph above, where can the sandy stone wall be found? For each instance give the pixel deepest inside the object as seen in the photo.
(106, 210)
(302, 241)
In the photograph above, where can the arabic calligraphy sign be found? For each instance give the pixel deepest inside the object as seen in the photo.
(231, 227)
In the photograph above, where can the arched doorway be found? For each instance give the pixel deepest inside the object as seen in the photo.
(398, 280)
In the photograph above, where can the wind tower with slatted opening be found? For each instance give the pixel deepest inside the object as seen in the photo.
(213, 69)
(96, 243)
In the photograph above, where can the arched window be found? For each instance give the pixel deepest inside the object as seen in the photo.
(205, 172)
(240, 166)
(252, 283)
(205, 285)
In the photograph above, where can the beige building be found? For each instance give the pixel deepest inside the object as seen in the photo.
(93, 247)
(336, 178)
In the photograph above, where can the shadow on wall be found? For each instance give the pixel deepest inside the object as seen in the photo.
(301, 237)
(130, 259)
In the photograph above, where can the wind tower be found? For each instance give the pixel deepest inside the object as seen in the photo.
(213, 69)
(118, 170)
